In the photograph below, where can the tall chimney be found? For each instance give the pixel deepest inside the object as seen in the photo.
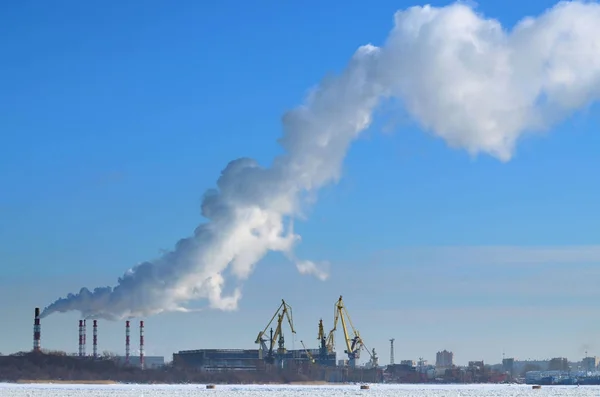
(80, 338)
(37, 329)
(84, 339)
(141, 344)
(126, 342)
(95, 339)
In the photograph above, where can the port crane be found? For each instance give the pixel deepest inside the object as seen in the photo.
(374, 363)
(284, 311)
(354, 342)
(322, 357)
(323, 350)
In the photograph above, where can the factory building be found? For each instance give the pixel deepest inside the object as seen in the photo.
(238, 359)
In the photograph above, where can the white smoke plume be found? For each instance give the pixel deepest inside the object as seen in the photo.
(459, 75)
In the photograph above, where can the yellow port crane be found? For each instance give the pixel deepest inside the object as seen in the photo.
(284, 310)
(323, 349)
(353, 343)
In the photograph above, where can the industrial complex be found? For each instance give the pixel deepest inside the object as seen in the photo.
(271, 351)
(272, 356)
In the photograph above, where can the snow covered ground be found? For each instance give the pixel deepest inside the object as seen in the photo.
(49, 390)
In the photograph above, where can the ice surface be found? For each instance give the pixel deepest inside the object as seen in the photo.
(49, 390)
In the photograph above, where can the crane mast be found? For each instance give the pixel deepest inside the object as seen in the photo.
(323, 349)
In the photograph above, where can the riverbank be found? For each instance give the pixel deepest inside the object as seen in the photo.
(66, 382)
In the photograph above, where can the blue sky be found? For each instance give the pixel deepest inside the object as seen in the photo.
(115, 120)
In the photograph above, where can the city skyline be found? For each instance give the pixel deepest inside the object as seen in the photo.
(443, 237)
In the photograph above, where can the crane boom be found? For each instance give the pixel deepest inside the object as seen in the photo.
(310, 356)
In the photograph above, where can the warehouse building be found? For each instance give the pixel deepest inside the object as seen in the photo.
(238, 359)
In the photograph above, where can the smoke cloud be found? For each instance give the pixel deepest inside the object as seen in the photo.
(461, 76)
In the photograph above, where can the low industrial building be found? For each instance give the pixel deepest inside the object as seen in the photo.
(238, 359)
(217, 359)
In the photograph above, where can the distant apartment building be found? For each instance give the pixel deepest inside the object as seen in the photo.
(558, 364)
(522, 366)
(590, 363)
(508, 366)
(476, 364)
(444, 359)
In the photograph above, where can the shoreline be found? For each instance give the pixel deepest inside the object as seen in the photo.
(112, 382)
(64, 382)
(257, 384)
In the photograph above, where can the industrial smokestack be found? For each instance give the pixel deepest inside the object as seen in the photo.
(84, 348)
(37, 331)
(127, 342)
(460, 75)
(141, 344)
(95, 339)
(80, 338)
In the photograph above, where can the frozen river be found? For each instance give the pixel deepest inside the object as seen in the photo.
(42, 390)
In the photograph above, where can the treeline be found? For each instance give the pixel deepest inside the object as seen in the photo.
(58, 366)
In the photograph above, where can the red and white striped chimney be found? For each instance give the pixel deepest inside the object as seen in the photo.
(126, 342)
(95, 339)
(80, 338)
(84, 339)
(37, 329)
(141, 344)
